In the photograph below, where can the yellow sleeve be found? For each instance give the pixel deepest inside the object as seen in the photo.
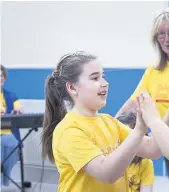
(124, 130)
(143, 84)
(17, 104)
(147, 172)
(77, 147)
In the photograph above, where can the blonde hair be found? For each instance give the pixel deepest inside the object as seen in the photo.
(163, 15)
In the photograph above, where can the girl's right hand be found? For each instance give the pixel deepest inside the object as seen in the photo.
(141, 126)
(166, 117)
(148, 109)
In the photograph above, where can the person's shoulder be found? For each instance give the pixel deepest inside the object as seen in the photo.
(67, 125)
(107, 116)
(146, 162)
(152, 67)
(109, 119)
(68, 131)
(6, 91)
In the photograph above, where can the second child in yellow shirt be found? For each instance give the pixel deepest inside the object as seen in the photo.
(140, 173)
(91, 151)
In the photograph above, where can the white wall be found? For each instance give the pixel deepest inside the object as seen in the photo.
(38, 33)
(0, 30)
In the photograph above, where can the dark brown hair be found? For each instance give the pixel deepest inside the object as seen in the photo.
(4, 71)
(68, 69)
(167, 165)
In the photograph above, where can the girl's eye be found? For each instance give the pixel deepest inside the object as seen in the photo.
(95, 79)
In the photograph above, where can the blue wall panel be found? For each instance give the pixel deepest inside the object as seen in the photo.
(29, 84)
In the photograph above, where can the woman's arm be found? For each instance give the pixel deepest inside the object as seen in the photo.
(159, 128)
(129, 105)
(161, 134)
(149, 148)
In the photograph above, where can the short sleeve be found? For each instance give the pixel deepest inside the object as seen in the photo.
(143, 84)
(77, 147)
(147, 172)
(124, 131)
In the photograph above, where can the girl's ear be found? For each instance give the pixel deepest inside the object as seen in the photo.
(71, 88)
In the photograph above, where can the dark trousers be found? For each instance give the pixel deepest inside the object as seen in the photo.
(167, 165)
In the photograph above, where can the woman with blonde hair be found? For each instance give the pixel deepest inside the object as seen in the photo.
(156, 78)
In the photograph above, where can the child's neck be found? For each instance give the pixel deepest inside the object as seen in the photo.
(84, 112)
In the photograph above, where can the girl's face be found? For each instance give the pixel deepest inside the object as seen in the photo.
(2, 78)
(91, 88)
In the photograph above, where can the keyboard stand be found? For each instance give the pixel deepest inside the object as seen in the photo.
(19, 146)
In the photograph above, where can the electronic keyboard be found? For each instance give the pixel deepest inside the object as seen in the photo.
(34, 120)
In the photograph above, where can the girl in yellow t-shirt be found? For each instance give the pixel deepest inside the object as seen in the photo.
(91, 150)
(140, 173)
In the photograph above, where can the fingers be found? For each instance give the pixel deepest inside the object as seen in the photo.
(147, 106)
(145, 99)
(140, 100)
(16, 112)
(21, 111)
(138, 107)
(137, 103)
(145, 94)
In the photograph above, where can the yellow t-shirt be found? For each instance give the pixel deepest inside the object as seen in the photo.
(140, 175)
(157, 84)
(76, 141)
(16, 104)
